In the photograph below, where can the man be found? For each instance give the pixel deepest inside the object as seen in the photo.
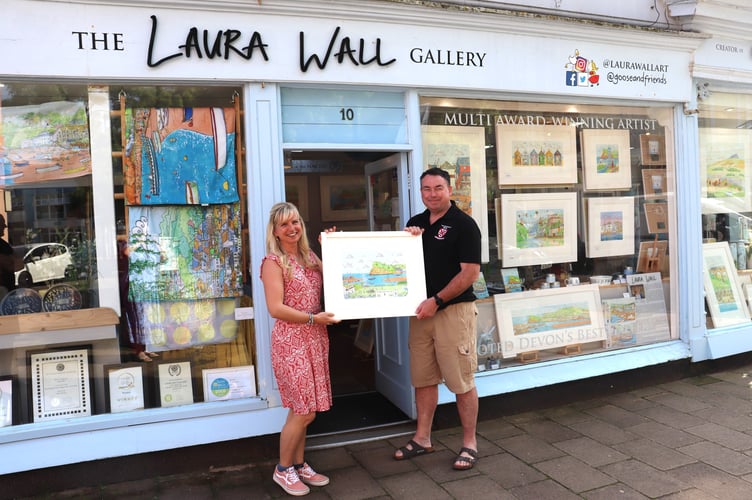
(442, 332)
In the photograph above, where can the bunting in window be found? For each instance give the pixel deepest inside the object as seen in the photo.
(180, 156)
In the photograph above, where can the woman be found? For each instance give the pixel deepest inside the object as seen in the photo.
(291, 273)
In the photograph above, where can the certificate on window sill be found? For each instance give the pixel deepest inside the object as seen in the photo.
(235, 382)
(125, 387)
(175, 385)
(60, 384)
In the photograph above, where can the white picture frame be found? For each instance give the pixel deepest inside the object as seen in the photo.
(372, 274)
(725, 170)
(461, 152)
(234, 382)
(527, 241)
(549, 318)
(606, 160)
(610, 226)
(723, 292)
(514, 143)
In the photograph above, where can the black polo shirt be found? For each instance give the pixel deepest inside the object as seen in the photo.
(453, 239)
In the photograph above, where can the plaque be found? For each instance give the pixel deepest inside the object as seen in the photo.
(175, 385)
(21, 301)
(61, 298)
(235, 382)
(125, 387)
(60, 384)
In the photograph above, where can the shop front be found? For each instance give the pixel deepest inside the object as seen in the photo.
(722, 108)
(143, 146)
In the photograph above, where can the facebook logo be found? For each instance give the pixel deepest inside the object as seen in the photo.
(576, 79)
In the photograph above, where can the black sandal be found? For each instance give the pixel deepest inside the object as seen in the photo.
(462, 462)
(415, 450)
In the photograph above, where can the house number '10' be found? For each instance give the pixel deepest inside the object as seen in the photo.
(347, 114)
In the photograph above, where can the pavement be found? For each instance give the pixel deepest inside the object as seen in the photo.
(620, 437)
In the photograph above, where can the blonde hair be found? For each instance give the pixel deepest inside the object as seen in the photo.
(279, 213)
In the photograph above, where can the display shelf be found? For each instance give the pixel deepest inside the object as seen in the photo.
(57, 320)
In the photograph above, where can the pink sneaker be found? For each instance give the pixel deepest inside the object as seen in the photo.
(290, 482)
(311, 477)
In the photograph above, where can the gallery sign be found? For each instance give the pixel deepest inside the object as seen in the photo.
(121, 42)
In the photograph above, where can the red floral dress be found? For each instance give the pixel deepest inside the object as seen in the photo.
(300, 352)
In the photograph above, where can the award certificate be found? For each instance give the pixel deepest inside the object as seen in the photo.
(229, 383)
(126, 388)
(175, 383)
(60, 384)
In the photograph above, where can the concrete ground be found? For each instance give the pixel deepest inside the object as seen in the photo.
(670, 438)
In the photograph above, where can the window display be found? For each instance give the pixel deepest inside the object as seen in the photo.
(577, 198)
(181, 249)
(725, 144)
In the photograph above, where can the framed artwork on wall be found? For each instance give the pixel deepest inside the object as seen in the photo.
(549, 318)
(652, 149)
(606, 160)
(536, 154)
(656, 215)
(538, 228)
(461, 151)
(654, 182)
(296, 192)
(343, 197)
(725, 170)
(376, 274)
(723, 292)
(610, 226)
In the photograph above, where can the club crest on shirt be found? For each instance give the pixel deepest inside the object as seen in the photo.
(442, 232)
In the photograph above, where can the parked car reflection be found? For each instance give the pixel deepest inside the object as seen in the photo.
(44, 262)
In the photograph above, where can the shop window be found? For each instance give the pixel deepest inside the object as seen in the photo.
(575, 207)
(177, 226)
(725, 146)
(182, 239)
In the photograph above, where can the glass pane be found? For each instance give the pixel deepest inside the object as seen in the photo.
(575, 204)
(725, 143)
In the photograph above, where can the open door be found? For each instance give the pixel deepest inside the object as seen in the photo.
(388, 208)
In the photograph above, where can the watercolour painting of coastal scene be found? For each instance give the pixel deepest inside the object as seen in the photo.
(372, 274)
(44, 142)
(549, 318)
(726, 179)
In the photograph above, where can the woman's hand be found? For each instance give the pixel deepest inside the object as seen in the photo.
(329, 230)
(325, 318)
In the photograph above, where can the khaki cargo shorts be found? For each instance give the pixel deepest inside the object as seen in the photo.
(442, 348)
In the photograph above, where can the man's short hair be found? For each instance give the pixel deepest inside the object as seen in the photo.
(437, 171)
